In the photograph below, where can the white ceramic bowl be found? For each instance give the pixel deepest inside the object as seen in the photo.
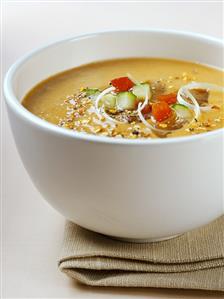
(134, 189)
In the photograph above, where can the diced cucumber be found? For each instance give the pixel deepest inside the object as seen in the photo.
(126, 100)
(182, 111)
(109, 101)
(140, 90)
(91, 91)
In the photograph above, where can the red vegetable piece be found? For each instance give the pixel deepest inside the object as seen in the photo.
(170, 98)
(122, 84)
(161, 111)
(147, 109)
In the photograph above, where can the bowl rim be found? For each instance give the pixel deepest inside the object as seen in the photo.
(39, 123)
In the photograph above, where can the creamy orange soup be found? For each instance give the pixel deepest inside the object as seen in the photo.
(132, 98)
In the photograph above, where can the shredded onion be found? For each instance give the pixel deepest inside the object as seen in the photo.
(204, 85)
(142, 117)
(147, 124)
(100, 111)
(141, 106)
(99, 97)
(185, 91)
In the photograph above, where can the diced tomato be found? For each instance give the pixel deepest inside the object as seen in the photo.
(170, 98)
(161, 111)
(122, 84)
(147, 109)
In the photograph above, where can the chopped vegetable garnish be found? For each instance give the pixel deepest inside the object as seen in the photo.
(170, 98)
(147, 124)
(147, 109)
(109, 101)
(169, 112)
(185, 92)
(182, 111)
(161, 111)
(91, 91)
(100, 112)
(126, 100)
(141, 90)
(122, 84)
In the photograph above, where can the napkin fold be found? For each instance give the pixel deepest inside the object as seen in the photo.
(194, 260)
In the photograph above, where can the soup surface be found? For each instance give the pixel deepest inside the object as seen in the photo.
(132, 98)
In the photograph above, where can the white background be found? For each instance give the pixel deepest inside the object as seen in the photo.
(32, 231)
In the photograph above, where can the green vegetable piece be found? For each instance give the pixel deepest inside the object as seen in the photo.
(91, 91)
(126, 100)
(140, 90)
(182, 111)
(109, 101)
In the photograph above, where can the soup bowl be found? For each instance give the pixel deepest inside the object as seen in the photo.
(137, 190)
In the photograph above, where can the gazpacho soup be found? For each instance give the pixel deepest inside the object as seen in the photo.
(132, 98)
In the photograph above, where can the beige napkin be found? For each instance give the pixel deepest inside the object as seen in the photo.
(194, 260)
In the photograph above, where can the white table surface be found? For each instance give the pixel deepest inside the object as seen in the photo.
(32, 231)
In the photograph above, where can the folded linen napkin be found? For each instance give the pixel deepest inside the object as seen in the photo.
(194, 260)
